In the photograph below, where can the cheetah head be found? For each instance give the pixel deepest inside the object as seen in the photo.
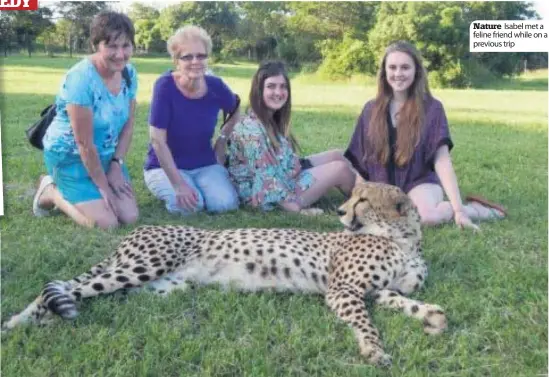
(381, 210)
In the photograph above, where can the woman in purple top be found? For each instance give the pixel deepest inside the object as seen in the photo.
(402, 138)
(182, 167)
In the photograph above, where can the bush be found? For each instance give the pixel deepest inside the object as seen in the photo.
(342, 59)
(462, 74)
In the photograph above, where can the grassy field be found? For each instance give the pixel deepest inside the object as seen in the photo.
(493, 285)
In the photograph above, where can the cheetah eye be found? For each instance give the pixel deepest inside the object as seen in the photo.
(399, 206)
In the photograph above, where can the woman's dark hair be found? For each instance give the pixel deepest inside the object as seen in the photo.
(277, 123)
(108, 24)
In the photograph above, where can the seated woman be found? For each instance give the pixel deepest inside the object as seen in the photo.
(86, 142)
(402, 138)
(182, 167)
(262, 161)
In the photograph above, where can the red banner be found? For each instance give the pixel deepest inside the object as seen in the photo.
(18, 4)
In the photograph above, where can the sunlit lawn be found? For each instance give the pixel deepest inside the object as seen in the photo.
(493, 285)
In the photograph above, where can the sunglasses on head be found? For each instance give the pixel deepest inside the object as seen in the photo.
(190, 57)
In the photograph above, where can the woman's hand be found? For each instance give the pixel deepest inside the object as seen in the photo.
(187, 197)
(118, 183)
(109, 199)
(463, 221)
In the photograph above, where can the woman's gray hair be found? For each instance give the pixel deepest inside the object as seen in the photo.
(186, 34)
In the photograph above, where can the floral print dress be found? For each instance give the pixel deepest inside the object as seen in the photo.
(258, 181)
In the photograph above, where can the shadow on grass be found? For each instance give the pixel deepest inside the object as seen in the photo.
(522, 84)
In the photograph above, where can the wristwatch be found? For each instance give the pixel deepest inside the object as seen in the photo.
(119, 160)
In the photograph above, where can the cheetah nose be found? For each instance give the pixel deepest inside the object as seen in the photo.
(340, 212)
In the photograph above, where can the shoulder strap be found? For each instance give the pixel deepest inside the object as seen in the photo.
(126, 76)
(227, 116)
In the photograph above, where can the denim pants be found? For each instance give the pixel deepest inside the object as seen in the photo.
(212, 184)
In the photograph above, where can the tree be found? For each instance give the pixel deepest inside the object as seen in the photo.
(139, 11)
(80, 15)
(49, 39)
(440, 30)
(7, 33)
(28, 25)
(217, 18)
(148, 36)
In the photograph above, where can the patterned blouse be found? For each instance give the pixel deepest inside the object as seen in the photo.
(259, 182)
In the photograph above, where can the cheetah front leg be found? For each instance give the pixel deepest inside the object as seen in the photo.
(348, 304)
(434, 320)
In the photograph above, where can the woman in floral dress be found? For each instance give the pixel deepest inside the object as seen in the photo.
(262, 159)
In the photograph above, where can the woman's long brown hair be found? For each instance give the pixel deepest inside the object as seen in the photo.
(277, 123)
(411, 116)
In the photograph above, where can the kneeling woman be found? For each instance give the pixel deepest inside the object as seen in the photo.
(262, 161)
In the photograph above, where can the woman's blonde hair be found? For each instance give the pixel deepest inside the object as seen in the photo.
(185, 34)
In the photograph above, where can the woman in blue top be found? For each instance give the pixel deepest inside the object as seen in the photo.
(183, 168)
(86, 143)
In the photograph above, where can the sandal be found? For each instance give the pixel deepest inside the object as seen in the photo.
(38, 211)
(496, 209)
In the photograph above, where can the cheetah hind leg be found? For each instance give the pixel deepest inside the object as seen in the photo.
(35, 313)
(39, 311)
(434, 320)
(167, 284)
(62, 297)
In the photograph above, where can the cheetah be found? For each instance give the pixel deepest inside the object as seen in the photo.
(377, 255)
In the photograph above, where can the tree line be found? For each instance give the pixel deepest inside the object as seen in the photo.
(334, 39)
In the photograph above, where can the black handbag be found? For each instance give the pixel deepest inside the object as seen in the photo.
(35, 133)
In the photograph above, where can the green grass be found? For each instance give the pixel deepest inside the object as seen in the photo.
(493, 285)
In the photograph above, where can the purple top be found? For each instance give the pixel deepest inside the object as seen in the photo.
(190, 123)
(420, 168)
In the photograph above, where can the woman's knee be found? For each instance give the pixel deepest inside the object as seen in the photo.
(430, 216)
(129, 217)
(173, 207)
(106, 221)
(226, 200)
(337, 155)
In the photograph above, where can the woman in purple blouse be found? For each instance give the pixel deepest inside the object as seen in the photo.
(402, 138)
(182, 166)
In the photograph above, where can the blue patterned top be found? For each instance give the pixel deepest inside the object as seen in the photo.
(258, 181)
(83, 86)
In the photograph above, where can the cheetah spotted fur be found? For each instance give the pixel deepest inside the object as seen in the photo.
(378, 254)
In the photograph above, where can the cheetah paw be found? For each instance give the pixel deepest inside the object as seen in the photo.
(376, 356)
(435, 321)
(311, 211)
